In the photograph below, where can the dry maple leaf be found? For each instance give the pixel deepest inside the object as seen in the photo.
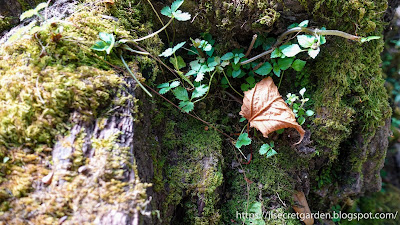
(265, 109)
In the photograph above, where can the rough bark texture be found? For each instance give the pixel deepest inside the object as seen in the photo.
(89, 148)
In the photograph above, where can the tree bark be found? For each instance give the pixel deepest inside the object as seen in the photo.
(100, 171)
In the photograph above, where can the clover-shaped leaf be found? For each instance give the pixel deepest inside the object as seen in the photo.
(165, 87)
(174, 12)
(243, 140)
(169, 51)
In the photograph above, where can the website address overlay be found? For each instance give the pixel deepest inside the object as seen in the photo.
(319, 215)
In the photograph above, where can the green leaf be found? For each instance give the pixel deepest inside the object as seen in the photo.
(264, 149)
(277, 70)
(227, 56)
(245, 87)
(200, 91)
(178, 62)
(181, 16)
(271, 153)
(306, 41)
(186, 106)
(250, 80)
(238, 57)
(166, 11)
(309, 112)
(242, 119)
(285, 63)
(35, 29)
(108, 38)
(236, 73)
(301, 120)
(277, 53)
(298, 64)
(366, 39)
(174, 84)
(176, 4)
(291, 50)
(178, 46)
(163, 85)
(265, 69)
(313, 52)
(293, 25)
(28, 14)
(304, 23)
(243, 140)
(280, 131)
(100, 46)
(181, 94)
(169, 51)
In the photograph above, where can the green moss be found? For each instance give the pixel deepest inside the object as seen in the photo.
(4, 23)
(385, 201)
(355, 98)
(266, 180)
(197, 170)
(43, 79)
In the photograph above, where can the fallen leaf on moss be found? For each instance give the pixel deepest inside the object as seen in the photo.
(301, 207)
(265, 109)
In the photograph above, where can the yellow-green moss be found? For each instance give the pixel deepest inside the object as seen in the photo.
(266, 177)
(43, 79)
(4, 23)
(385, 201)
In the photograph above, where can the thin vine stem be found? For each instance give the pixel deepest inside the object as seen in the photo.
(155, 33)
(280, 81)
(209, 87)
(229, 83)
(159, 18)
(134, 77)
(311, 31)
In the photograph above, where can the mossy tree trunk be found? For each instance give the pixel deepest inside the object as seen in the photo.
(105, 146)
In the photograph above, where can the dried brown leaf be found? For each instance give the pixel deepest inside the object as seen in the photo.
(302, 207)
(265, 109)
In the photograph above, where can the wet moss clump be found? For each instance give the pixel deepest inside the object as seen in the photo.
(270, 181)
(385, 201)
(194, 173)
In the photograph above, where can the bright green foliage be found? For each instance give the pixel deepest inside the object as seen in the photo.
(243, 140)
(265, 69)
(298, 65)
(178, 62)
(251, 82)
(182, 94)
(255, 209)
(33, 12)
(307, 41)
(268, 149)
(170, 51)
(366, 39)
(298, 108)
(291, 50)
(173, 11)
(165, 87)
(199, 91)
(106, 44)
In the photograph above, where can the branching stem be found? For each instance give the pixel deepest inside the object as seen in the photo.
(283, 36)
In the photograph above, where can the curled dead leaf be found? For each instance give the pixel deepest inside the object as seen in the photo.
(265, 109)
(301, 207)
